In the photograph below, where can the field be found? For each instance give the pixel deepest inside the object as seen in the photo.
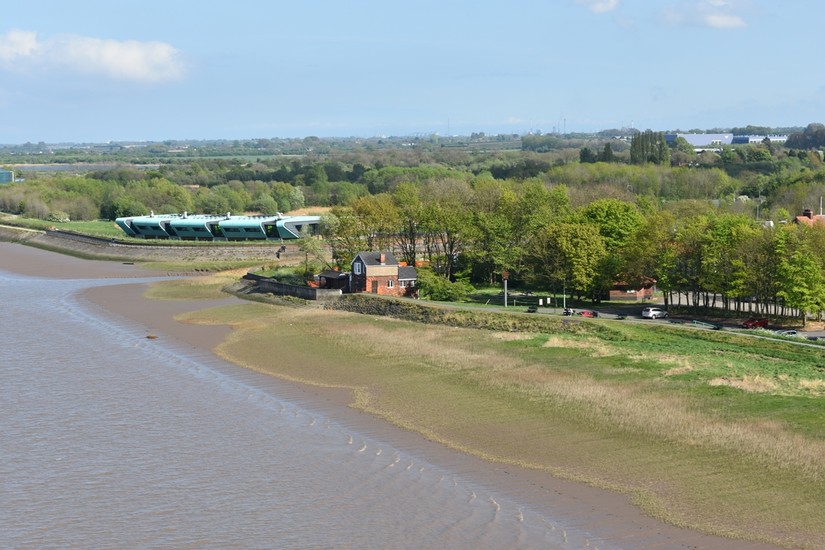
(715, 431)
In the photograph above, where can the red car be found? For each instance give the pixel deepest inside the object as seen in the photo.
(755, 323)
(588, 313)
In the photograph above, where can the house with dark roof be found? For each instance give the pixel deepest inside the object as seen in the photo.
(381, 273)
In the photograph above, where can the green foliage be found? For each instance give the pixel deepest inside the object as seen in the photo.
(265, 205)
(541, 143)
(438, 288)
(566, 254)
(813, 137)
(649, 146)
(586, 155)
(544, 217)
(617, 221)
(58, 217)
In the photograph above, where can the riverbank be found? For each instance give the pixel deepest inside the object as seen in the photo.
(610, 516)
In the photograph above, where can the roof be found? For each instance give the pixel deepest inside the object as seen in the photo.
(332, 274)
(810, 221)
(703, 140)
(374, 258)
(407, 273)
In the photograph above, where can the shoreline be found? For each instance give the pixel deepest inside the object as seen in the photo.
(606, 515)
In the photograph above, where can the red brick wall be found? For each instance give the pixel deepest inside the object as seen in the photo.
(383, 289)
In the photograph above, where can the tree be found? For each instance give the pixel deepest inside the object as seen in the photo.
(344, 232)
(607, 154)
(722, 266)
(587, 156)
(801, 281)
(266, 205)
(440, 289)
(649, 146)
(410, 213)
(646, 250)
(616, 221)
(379, 218)
(566, 254)
(126, 206)
(447, 222)
(813, 137)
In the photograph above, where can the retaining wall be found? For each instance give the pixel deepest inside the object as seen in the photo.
(265, 284)
(117, 249)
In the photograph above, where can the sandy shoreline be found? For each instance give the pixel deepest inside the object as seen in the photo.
(606, 515)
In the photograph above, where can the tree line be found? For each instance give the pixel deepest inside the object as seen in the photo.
(469, 233)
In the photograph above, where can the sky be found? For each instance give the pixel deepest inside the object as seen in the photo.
(152, 70)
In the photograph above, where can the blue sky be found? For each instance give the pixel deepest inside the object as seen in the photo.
(95, 71)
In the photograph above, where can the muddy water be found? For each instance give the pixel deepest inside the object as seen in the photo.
(110, 439)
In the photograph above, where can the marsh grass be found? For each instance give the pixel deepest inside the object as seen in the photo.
(207, 287)
(714, 432)
(213, 267)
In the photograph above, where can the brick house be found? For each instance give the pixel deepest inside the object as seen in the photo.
(381, 273)
(624, 292)
(809, 218)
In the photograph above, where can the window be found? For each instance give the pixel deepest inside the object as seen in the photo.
(390, 283)
(356, 268)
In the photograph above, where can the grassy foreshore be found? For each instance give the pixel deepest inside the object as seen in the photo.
(721, 433)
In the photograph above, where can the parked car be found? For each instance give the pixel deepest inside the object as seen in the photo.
(588, 313)
(789, 332)
(755, 323)
(654, 313)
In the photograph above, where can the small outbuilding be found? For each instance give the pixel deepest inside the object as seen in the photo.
(333, 280)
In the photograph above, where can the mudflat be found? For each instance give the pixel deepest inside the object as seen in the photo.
(609, 515)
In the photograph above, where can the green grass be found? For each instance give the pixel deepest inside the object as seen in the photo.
(99, 228)
(204, 266)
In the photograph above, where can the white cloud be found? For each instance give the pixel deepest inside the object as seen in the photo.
(130, 60)
(723, 21)
(599, 6)
(717, 14)
(16, 44)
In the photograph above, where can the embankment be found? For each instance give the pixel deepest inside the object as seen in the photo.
(113, 249)
(458, 317)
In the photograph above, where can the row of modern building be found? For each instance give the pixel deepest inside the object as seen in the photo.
(702, 141)
(201, 227)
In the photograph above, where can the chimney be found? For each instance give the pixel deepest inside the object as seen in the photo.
(808, 213)
(382, 258)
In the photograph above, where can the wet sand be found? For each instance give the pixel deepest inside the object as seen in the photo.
(607, 516)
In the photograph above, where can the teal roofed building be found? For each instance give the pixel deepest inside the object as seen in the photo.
(200, 227)
(6, 176)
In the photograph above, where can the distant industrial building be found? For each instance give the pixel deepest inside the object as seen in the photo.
(702, 140)
(755, 140)
(6, 176)
(199, 227)
(716, 141)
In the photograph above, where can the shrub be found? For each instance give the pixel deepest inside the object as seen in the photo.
(440, 289)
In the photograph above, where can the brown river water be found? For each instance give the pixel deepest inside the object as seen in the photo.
(112, 440)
